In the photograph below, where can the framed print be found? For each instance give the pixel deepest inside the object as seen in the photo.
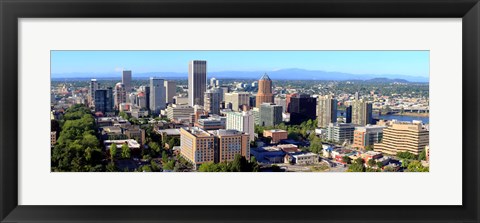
(203, 111)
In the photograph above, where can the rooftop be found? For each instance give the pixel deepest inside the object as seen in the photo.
(265, 77)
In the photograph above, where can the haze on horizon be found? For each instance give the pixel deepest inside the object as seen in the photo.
(105, 63)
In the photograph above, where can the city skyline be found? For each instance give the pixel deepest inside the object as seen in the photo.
(105, 63)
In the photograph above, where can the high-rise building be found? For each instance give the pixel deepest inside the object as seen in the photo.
(265, 94)
(270, 114)
(91, 91)
(212, 101)
(362, 113)
(157, 95)
(170, 91)
(302, 108)
(282, 102)
(256, 115)
(348, 114)
(199, 146)
(141, 100)
(101, 101)
(237, 99)
(340, 132)
(288, 99)
(230, 142)
(146, 90)
(242, 121)
(326, 110)
(403, 137)
(120, 95)
(127, 80)
(367, 136)
(197, 82)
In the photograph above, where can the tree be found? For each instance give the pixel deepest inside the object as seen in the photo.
(111, 167)
(380, 165)
(170, 165)
(316, 145)
(406, 155)
(369, 147)
(113, 151)
(346, 159)
(416, 166)
(123, 115)
(125, 151)
(422, 155)
(371, 163)
(164, 157)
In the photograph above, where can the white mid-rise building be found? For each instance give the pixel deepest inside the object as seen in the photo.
(242, 121)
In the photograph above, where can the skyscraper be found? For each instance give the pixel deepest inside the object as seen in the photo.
(242, 121)
(264, 94)
(237, 99)
(91, 92)
(212, 101)
(170, 91)
(197, 81)
(362, 113)
(270, 114)
(302, 108)
(157, 95)
(127, 80)
(120, 95)
(101, 101)
(326, 110)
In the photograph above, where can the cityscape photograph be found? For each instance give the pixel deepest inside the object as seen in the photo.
(239, 111)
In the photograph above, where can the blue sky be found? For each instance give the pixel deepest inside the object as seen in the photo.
(412, 63)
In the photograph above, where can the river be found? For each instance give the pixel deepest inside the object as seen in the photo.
(397, 117)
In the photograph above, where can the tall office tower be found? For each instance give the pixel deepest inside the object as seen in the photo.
(147, 97)
(101, 101)
(212, 101)
(120, 95)
(242, 121)
(252, 101)
(217, 83)
(213, 82)
(237, 99)
(157, 95)
(282, 102)
(170, 90)
(362, 113)
(288, 99)
(224, 89)
(302, 108)
(110, 100)
(264, 94)
(199, 146)
(91, 91)
(403, 137)
(256, 115)
(270, 114)
(367, 136)
(326, 110)
(197, 82)
(340, 132)
(141, 100)
(127, 80)
(348, 114)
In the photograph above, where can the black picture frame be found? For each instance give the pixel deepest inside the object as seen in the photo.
(11, 11)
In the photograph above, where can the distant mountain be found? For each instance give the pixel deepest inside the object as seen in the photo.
(283, 74)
